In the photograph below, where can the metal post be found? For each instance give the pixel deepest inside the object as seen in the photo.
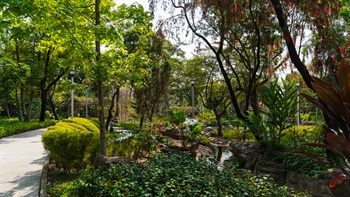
(72, 72)
(192, 83)
(298, 106)
(87, 102)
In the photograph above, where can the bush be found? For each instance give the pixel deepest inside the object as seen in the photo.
(300, 164)
(71, 145)
(88, 124)
(237, 133)
(131, 146)
(14, 126)
(296, 135)
(174, 175)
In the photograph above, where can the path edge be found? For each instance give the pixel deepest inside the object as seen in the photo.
(43, 178)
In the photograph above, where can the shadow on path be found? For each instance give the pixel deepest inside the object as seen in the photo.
(24, 185)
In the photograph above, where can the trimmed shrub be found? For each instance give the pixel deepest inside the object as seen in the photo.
(14, 126)
(71, 145)
(95, 121)
(88, 124)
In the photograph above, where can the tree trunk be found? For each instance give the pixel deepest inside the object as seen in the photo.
(53, 108)
(8, 110)
(24, 111)
(290, 45)
(296, 59)
(110, 110)
(141, 120)
(43, 104)
(43, 89)
(218, 120)
(103, 142)
(117, 108)
(18, 106)
(31, 97)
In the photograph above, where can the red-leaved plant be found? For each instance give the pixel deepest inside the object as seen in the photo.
(335, 103)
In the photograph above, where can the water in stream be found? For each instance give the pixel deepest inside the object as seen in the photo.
(222, 154)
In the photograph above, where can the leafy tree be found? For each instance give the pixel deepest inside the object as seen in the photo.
(239, 39)
(154, 84)
(210, 87)
(293, 19)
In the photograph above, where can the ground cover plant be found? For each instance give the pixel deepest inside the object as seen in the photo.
(14, 126)
(175, 175)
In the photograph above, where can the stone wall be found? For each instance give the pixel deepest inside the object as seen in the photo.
(251, 156)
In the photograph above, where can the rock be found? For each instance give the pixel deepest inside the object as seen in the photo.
(102, 160)
(208, 132)
(266, 166)
(342, 189)
(315, 186)
(191, 121)
(204, 151)
(252, 156)
(247, 153)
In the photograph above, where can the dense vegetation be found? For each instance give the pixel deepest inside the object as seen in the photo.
(52, 65)
(169, 175)
(14, 126)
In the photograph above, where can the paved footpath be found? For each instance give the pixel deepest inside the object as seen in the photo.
(21, 161)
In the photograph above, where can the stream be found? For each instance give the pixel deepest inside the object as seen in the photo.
(221, 154)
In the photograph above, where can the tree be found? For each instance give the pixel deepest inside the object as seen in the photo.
(246, 46)
(298, 14)
(210, 86)
(155, 81)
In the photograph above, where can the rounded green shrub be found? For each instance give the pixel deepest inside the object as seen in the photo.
(88, 124)
(71, 145)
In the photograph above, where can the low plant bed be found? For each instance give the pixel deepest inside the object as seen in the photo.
(163, 175)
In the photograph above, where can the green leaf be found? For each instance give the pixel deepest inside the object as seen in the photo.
(179, 115)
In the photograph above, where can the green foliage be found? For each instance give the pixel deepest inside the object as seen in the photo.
(300, 164)
(335, 103)
(86, 123)
(204, 139)
(296, 135)
(129, 126)
(48, 115)
(235, 133)
(135, 146)
(256, 125)
(14, 126)
(95, 121)
(179, 115)
(174, 175)
(281, 104)
(62, 184)
(195, 132)
(71, 145)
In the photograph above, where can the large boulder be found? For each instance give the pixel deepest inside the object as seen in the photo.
(247, 153)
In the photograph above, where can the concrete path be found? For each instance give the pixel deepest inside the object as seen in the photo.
(21, 161)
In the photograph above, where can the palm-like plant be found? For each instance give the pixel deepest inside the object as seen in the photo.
(335, 103)
(281, 107)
